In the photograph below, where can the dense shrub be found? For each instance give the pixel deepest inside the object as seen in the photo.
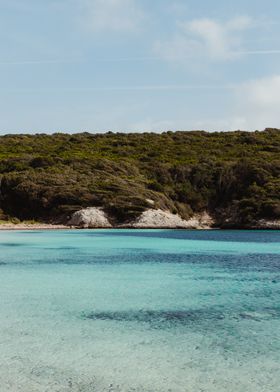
(230, 174)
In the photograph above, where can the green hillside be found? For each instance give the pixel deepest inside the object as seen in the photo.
(233, 175)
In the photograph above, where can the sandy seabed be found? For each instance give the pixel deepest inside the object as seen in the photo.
(139, 311)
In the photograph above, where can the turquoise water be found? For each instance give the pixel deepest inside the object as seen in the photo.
(157, 311)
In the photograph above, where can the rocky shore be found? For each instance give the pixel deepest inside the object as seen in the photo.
(96, 218)
(151, 219)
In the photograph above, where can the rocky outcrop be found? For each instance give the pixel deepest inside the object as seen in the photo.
(159, 219)
(91, 217)
(267, 224)
(155, 219)
(234, 223)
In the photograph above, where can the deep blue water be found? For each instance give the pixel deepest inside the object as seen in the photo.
(143, 310)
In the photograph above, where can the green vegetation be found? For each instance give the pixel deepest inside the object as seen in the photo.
(233, 175)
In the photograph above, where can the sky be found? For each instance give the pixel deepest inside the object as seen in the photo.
(139, 65)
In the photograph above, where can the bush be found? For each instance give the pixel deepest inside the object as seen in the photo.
(233, 175)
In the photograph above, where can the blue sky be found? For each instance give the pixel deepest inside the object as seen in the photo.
(138, 65)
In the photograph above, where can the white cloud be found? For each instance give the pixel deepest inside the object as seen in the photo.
(151, 125)
(264, 93)
(113, 15)
(200, 37)
(254, 105)
(258, 103)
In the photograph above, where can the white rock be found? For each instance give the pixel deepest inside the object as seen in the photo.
(91, 217)
(267, 224)
(165, 219)
(200, 221)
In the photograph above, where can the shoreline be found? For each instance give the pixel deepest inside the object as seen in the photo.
(152, 219)
(36, 226)
(48, 226)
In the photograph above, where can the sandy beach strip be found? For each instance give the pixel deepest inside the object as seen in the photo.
(35, 226)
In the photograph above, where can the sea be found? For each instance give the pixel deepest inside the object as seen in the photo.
(139, 311)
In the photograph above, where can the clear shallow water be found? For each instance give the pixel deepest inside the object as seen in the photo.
(140, 311)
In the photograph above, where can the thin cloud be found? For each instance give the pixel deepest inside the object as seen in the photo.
(259, 52)
(182, 57)
(113, 15)
(128, 88)
(200, 37)
(131, 59)
(39, 62)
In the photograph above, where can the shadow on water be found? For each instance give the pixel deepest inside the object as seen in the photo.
(194, 235)
(173, 318)
(12, 244)
(241, 263)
